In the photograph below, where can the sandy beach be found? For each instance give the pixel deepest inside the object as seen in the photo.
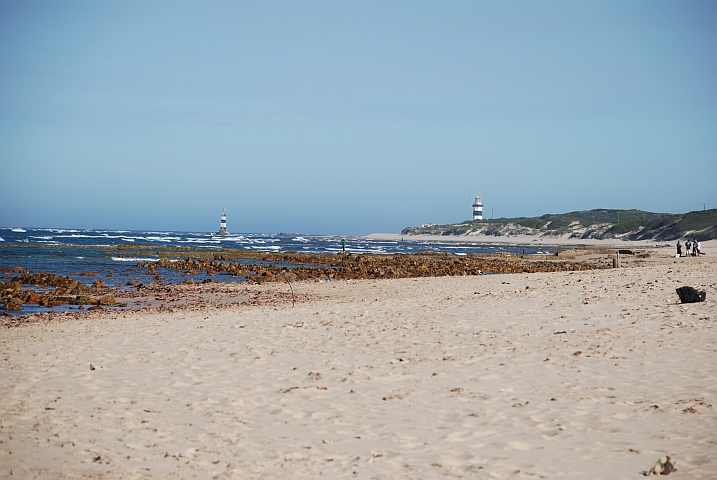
(593, 374)
(563, 240)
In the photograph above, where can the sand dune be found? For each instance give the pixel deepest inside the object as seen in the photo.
(557, 375)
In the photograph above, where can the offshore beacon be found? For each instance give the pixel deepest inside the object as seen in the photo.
(223, 225)
(478, 209)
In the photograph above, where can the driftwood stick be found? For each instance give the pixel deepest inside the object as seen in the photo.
(293, 297)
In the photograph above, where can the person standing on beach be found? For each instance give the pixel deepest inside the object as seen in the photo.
(679, 249)
(343, 245)
(696, 248)
(688, 247)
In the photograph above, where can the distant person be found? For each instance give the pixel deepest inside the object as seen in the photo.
(343, 245)
(688, 248)
(679, 249)
(696, 248)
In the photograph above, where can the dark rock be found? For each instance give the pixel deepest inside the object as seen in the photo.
(47, 280)
(14, 304)
(81, 300)
(164, 263)
(691, 295)
(108, 300)
(289, 276)
(10, 288)
(32, 297)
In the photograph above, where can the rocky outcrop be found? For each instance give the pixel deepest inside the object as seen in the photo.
(66, 291)
(317, 266)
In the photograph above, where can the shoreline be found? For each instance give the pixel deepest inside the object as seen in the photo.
(170, 282)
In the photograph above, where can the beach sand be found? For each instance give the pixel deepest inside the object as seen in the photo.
(591, 374)
(562, 240)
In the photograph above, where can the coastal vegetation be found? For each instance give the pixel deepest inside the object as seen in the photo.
(589, 224)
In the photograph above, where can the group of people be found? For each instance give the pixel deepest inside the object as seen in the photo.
(692, 249)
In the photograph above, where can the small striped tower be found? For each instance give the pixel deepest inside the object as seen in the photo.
(478, 209)
(223, 224)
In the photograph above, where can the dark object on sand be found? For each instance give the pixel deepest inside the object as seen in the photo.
(691, 295)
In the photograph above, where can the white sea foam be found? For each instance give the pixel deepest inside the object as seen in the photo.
(300, 239)
(192, 240)
(160, 239)
(77, 235)
(2, 239)
(139, 259)
(19, 230)
(101, 235)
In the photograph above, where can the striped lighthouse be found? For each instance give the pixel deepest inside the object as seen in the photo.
(223, 224)
(478, 209)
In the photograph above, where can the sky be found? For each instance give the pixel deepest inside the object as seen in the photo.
(351, 116)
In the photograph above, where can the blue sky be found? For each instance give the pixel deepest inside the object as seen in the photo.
(357, 115)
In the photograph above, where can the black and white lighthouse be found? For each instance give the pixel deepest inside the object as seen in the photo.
(223, 224)
(478, 209)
